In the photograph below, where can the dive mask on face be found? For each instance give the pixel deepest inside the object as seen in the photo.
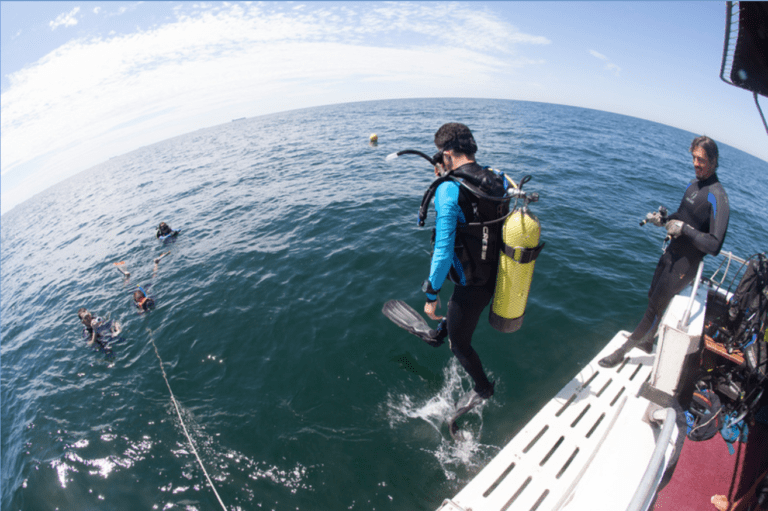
(437, 159)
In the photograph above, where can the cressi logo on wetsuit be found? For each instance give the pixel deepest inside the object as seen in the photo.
(478, 241)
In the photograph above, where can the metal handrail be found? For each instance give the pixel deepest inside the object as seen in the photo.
(728, 258)
(653, 473)
(683, 325)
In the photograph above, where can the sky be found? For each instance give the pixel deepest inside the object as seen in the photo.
(82, 82)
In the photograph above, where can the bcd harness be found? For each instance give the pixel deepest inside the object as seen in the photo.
(489, 186)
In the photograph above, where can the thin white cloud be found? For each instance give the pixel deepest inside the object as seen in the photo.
(123, 9)
(598, 55)
(95, 98)
(610, 66)
(66, 19)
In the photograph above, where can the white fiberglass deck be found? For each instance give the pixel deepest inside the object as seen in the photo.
(587, 448)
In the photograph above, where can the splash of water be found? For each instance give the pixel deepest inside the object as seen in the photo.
(436, 410)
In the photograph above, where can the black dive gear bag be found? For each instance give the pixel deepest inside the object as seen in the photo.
(747, 313)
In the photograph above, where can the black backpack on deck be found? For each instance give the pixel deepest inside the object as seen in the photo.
(747, 313)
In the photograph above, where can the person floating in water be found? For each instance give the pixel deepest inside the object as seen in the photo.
(164, 232)
(697, 228)
(97, 328)
(143, 302)
(141, 299)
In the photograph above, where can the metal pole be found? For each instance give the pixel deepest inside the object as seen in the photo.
(683, 325)
(647, 487)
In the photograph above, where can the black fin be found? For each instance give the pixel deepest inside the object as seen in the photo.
(401, 314)
(468, 401)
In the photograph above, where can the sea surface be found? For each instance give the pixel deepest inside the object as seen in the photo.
(297, 393)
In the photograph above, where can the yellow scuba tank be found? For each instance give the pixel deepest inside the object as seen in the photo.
(520, 236)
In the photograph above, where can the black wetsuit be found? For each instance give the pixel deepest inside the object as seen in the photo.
(457, 256)
(102, 327)
(464, 310)
(145, 304)
(705, 212)
(163, 230)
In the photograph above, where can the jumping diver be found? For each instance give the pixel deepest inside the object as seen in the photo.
(697, 228)
(461, 253)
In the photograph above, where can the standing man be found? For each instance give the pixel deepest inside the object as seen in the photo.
(697, 228)
(466, 250)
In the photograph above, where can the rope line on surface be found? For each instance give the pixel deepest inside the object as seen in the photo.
(184, 427)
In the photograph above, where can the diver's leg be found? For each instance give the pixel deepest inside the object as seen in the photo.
(672, 275)
(464, 310)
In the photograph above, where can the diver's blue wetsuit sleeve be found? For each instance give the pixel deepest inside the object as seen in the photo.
(719, 213)
(449, 214)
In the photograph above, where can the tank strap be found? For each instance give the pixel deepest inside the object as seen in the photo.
(524, 255)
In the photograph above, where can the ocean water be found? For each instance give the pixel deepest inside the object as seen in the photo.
(296, 391)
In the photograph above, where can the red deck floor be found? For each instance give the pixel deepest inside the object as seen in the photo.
(707, 468)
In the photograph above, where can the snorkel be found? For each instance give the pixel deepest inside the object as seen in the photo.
(142, 290)
(434, 160)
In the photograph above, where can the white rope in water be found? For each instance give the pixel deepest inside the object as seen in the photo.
(191, 444)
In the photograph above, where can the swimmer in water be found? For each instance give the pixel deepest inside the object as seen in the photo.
(163, 230)
(95, 326)
(142, 301)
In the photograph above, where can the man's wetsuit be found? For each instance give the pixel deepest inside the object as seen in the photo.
(474, 286)
(163, 230)
(101, 327)
(705, 212)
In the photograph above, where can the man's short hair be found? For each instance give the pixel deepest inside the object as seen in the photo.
(456, 137)
(709, 147)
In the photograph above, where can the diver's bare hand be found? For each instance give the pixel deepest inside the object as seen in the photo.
(431, 307)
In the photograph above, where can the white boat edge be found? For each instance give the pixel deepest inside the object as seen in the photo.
(601, 443)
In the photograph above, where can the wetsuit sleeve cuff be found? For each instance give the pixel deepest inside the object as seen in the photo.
(688, 231)
(429, 291)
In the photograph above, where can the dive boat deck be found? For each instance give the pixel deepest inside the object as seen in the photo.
(709, 468)
(589, 447)
(539, 468)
